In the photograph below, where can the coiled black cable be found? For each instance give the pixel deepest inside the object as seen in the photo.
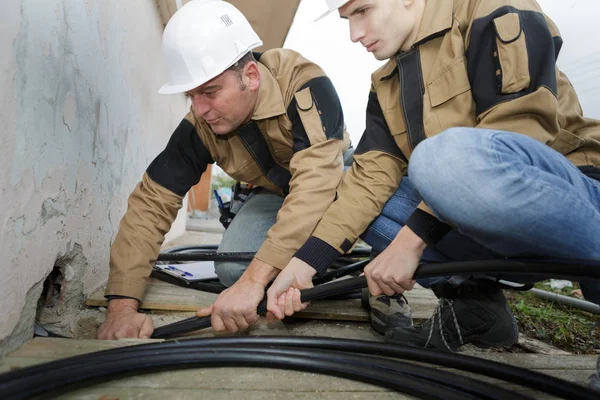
(321, 355)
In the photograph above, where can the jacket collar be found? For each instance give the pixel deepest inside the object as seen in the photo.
(438, 17)
(437, 20)
(270, 101)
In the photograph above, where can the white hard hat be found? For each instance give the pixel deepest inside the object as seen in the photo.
(332, 5)
(202, 40)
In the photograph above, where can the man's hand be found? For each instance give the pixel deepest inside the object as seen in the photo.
(124, 321)
(392, 271)
(235, 308)
(283, 297)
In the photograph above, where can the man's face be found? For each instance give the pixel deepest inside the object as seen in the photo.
(225, 102)
(381, 26)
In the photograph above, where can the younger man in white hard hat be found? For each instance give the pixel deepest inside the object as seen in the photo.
(272, 120)
(475, 147)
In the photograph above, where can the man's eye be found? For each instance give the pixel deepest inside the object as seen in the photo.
(363, 11)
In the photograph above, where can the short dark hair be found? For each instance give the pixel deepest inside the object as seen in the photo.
(239, 65)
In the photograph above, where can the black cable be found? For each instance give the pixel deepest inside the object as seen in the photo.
(489, 267)
(513, 374)
(338, 273)
(318, 292)
(406, 377)
(190, 248)
(205, 256)
(554, 268)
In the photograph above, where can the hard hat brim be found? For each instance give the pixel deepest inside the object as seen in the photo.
(330, 11)
(169, 88)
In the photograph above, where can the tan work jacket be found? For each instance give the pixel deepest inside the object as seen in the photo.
(293, 146)
(476, 63)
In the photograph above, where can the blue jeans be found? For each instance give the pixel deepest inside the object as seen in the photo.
(247, 232)
(508, 195)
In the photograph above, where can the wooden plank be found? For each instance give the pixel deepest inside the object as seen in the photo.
(166, 297)
(162, 296)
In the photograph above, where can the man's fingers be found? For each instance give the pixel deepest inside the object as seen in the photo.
(281, 304)
(217, 323)
(147, 328)
(230, 324)
(204, 312)
(271, 317)
(387, 290)
(126, 331)
(289, 302)
(374, 288)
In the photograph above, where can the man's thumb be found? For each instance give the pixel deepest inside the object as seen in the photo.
(204, 312)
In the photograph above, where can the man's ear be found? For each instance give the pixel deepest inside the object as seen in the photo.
(252, 76)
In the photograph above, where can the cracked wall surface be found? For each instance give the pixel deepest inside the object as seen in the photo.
(80, 120)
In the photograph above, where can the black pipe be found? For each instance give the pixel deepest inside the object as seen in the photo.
(489, 267)
(318, 292)
(324, 362)
(513, 374)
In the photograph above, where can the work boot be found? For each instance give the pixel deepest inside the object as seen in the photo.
(476, 313)
(387, 312)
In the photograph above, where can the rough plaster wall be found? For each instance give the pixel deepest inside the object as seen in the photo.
(79, 122)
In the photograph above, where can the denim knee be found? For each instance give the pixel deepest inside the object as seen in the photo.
(446, 148)
(229, 272)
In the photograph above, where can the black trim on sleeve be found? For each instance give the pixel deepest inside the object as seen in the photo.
(542, 50)
(591, 172)
(119, 297)
(257, 146)
(377, 134)
(427, 227)
(182, 162)
(328, 104)
(257, 55)
(318, 254)
(411, 96)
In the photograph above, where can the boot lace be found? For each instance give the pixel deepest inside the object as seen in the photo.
(438, 312)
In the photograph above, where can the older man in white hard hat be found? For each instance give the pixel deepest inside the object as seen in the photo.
(272, 120)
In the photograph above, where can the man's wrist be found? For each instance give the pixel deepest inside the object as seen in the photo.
(260, 272)
(409, 240)
(122, 304)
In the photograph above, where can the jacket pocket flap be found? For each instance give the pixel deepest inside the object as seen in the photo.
(566, 142)
(508, 27)
(450, 83)
(304, 99)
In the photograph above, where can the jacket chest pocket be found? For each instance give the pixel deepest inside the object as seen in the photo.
(450, 97)
(389, 99)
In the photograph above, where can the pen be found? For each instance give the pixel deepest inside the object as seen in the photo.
(219, 200)
(184, 273)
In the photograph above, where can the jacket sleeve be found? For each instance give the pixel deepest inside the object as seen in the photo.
(316, 169)
(152, 208)
(375, 174)
(511, 63)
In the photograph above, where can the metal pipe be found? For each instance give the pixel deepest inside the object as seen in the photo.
(570, 301)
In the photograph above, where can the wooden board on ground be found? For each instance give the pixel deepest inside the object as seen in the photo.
(166, 297)
(250, 383)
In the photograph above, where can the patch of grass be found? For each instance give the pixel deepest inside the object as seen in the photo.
(565, 327)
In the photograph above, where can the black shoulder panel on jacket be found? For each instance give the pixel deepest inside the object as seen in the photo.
(377, 135)
(182, 162)
(326, 99)
(542, 50)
